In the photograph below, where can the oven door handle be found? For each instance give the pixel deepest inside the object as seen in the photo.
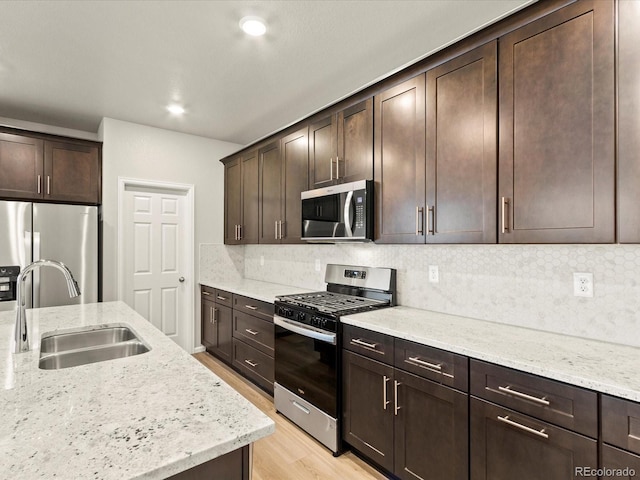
(305, 331)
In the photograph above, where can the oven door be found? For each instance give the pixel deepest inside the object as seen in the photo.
(306, 363)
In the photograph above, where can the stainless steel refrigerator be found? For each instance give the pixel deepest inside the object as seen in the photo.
(67, 233)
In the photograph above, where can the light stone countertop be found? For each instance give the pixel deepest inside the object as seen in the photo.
(148, 416)
(265, 291)
(605, 367)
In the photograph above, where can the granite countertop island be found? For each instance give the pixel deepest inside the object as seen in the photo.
(604, 367)
(148, 416)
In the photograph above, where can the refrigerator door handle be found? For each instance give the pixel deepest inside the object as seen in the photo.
(36, 273)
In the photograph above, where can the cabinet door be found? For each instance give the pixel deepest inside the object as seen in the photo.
(399, 173)
(72, 172)
(461, 148)
(507, 445)
(323, 153)
(209, 330)
(431, 430)
(367, 422)
(295, 171)
(557, 164)
(232, 200)
(628, 122)
(21, 164)
(618, 464)
(270, 193)
(224, 324)
(355, 143)
(249, 203)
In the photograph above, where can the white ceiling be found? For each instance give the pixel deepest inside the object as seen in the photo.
(70, 63)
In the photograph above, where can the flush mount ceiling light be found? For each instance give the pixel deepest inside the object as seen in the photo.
(175, 109)
(253, 26)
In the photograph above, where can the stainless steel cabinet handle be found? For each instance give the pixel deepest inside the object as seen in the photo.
(48, 185)
(422, 363)
(213, 315)
(206, 293)
(275, 231)
(385, 401)
(252, 332)
(331, 167)
(539, 433)
(515, 393)
(396, 407)
(357, 341)
(280, 229)
(251, 364)
(251, 307)
(419, 222)
(431, 220)
(239, 232)
(505, 215)
(337, 168)
(220, 297)
(39, 183)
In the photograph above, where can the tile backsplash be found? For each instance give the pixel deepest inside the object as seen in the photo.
(526, 285)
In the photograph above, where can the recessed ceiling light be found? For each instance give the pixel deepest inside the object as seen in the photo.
(176, 109)
(253, 26)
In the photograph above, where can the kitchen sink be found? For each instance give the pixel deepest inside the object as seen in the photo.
(81, 347)
(89, 338)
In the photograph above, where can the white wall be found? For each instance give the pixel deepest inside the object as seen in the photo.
(137, 151)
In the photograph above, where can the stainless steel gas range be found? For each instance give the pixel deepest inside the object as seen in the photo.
(308, 341)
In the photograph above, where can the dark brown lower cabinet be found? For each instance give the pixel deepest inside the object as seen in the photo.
(507, 445)
(410, 426)
(234, 465)
(217, 329)
(619, 464)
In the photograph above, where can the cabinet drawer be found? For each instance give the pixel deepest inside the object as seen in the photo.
(621, 423)
(252, 330)
(222, 297)
(627, 464)
(438, 365)
(254, 364)
(370, 344)
(565, 405)
(253, 307)
(208, 293)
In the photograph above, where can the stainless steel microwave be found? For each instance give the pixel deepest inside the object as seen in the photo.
(340, 213)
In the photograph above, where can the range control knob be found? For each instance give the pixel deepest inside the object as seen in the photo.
(302, 316)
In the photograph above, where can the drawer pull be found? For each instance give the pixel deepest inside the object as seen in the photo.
(396, 407)
(206, 293)
(422, 363)
(251, 307)
(385, 401)
(250, 363)
(540, 433)
(220, 297)
(515, 393)
(297, 405)
(252, 332)
(357, 341)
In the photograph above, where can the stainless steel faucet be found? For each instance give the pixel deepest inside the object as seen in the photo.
(22, 339)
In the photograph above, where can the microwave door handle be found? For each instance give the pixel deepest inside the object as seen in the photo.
(347, 214)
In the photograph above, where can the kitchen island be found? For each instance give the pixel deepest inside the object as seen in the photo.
(150, 416)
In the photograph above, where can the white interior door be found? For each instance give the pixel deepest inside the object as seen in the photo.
(155, 223)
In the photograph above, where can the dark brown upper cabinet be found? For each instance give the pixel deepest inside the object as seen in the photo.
(241, 199)
(557, 145)
(399, 170)
(628, 122)
(232, 200)
(341, 147)
(461, 151)
(22, 166)
(34, 168)
(270, 192)
(283, 176)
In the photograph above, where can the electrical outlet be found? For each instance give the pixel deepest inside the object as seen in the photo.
(583, 284)
(434, 275)
(318, 265)
(262, 260)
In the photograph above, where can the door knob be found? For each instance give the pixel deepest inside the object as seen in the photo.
(181, 279)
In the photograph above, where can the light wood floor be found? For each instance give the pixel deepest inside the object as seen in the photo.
(289, 453)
